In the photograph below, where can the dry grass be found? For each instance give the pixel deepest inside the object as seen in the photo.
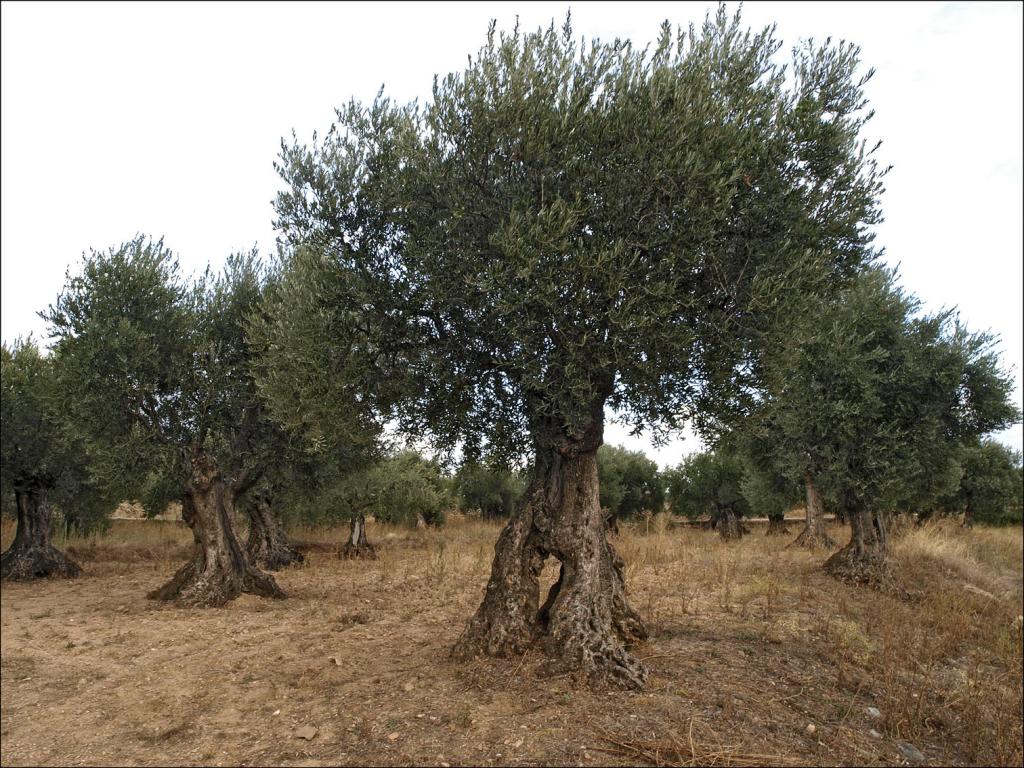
(750, 643)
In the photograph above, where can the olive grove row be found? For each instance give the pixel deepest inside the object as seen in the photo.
(563, 230)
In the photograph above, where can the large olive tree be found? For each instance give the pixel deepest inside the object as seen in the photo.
(39, 459)
(157, 375)
(565, 227)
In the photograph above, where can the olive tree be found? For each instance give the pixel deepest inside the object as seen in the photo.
(710, 483)
(38, 460)
(492, 490)
(159, 384)
(768, 493)
(990, 485)
(564, 227)
(875, 399)
(629, 481)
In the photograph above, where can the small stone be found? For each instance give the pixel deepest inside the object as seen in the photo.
(910, 752)
(276, 713)
(874, 713)
(518, 744)
(408, 687)
(811, 728)
(392, 736)
(307, 732)
(335, 660)
(874, 734)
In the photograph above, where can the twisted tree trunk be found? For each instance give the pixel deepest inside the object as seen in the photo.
(969, 513)
(729, 526)
(219, 570)
(585, 624)
(777, 525)
(267, 546)
(356, 546)
(864, 559)
(31, 555)
(814, 535)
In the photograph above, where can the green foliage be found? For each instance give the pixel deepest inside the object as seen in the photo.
(153, 366)
(37, 445)
(766, 492)
(396, 489)
(126, 333)
(493, 491)
(707, 484)
(563, 225)
(630, 482)
(874, 401)
(319, 389)
(990, 487)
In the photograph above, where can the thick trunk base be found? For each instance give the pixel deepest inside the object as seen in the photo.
(730, 528)
(813, 536)
(31, 556)
(865, 560)
(777, 527)
(27, 563)
(586, 624)
(356, 547)
(267, 546)
(219, 570)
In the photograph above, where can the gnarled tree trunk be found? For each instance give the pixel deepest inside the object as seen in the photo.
(969, 513)
(814, 535)
(219, 570)
(729, 526)
(31, 555)
(356, 544)
(864, 559)
(585, 624)
(777, 525)
(267, 546)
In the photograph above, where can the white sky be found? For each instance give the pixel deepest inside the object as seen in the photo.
(166, 118)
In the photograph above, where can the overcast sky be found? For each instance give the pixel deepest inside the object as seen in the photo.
(166, 118)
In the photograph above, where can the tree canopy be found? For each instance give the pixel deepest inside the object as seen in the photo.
(157, 372)
(630, 482)
(566, 224)
(990, 484)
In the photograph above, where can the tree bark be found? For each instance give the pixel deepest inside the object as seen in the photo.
(729, 526)
(356, 545)
(611, 520)
(267, 546)
(777, 525)
(864, 559)
(31, 555)
(586, 624)
(814, 535)
(219, 570)
(969, 513)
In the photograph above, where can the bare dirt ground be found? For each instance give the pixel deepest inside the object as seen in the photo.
(755, 656)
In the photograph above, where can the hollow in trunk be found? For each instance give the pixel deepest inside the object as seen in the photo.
(356, 545)
(814, 535)
(267, 546)
(31, 555)
(219, 570)
(586, 624)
